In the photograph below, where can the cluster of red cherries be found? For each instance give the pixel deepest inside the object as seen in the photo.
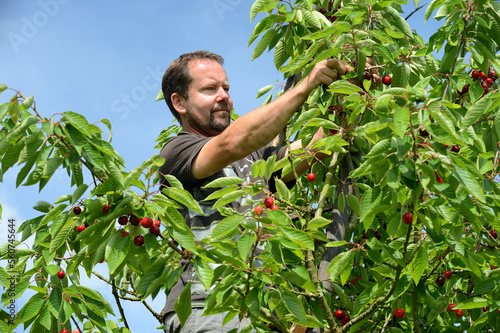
(487, 80)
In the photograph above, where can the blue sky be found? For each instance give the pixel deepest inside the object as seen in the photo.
(105, 59)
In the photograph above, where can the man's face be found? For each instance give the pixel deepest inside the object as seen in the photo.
(208, 106)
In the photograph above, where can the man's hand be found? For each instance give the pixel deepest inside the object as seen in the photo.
(325, 72)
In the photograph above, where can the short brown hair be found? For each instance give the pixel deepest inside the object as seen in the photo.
(177, 77)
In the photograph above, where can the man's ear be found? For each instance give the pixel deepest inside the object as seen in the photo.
(179, 103)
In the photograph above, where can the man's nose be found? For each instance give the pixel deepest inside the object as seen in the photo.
(222, 95)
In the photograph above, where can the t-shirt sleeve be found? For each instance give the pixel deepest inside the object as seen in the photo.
(179, 154)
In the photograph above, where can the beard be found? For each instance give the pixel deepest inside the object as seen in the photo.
(214, 125)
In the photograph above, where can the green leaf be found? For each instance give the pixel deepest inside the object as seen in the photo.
(282, 189)
(294, 305)
(370, 200)
(16, 133)
(228, 198)
(299, 237)
(80, 190)
(55, 301)
(318, 222)
(263, 43)
(419, 264)
(311, 19)
(341, 263)
(398, 21)
(184, 197)
(401, 121)
(354, 204)
(183, 304)
(154, 271)
(336, 243)
(333, 30)
(3, 87)
(224, 181)
(379, 148)
(245, 244)
(264, 90)
(469, 181)
(117, 249)
(61, 236)
(343, 87)
(255, 9)
(53, 214)
(473, 303)
(478, 109)
(204, 272)
(31, 308)
(227, 227)
(79, 122)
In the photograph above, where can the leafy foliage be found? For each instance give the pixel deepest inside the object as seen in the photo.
(426, 145)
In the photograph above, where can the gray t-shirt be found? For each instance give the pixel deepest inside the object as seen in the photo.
(179, 154)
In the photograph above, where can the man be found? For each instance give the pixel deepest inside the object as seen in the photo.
(196, 89)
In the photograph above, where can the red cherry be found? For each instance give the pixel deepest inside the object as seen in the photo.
(61, 274)
(269, 202)
(459, 312)
(322, 10)
(365, 235)
(475, 74)
(424, 132)
(77, 210)
(333, 131)
(455, 148)
(368, 76)
(465, 89)
(387, 80)
(489, 81)
(258, 210)
(125, 234)
(408, 218)
(346, 318)
(64, 331)
(438, 178)
(311, 177)
(494, 234)
(134, 220)
(399, 313)
(484, 309)
(378, 235)
(274, 207)
(139, 240)
(447, 274)
(155, 230)
(342, 322)
(451, 306)
(157, 223)
(483, 76)
(440, 281)
(80, 228)
(147, 222)
(339, 314)
(105, 209)
(122, 220)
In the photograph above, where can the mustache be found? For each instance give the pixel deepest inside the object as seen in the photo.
(222, 106)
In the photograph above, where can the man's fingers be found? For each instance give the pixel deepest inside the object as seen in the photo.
(339, 66)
